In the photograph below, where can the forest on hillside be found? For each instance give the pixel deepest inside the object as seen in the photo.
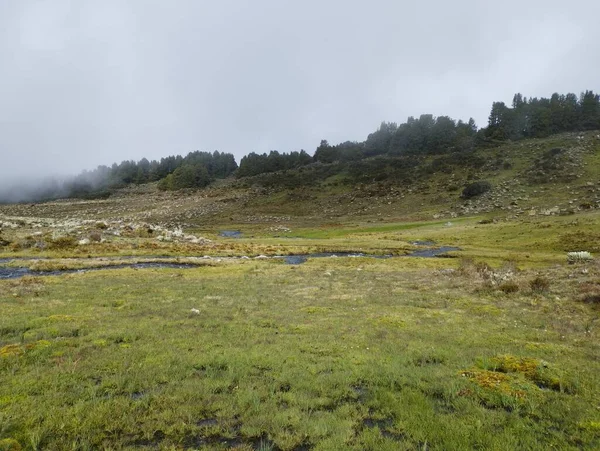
(195, 170)
(425, 135)
(527, 118)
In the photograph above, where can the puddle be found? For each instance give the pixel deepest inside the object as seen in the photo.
(295, 259)
(230, 233)
(15, 273)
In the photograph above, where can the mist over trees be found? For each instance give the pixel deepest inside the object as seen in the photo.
(196, 170)
(425, 135)
(538, 118)
(429, 135)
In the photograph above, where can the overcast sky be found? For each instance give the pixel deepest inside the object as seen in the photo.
(84, 83)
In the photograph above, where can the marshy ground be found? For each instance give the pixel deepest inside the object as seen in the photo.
(496, 348)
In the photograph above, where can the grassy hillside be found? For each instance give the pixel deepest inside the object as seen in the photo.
(557, 175)
(532, 181)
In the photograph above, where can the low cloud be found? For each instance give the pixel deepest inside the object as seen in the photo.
(85, 83)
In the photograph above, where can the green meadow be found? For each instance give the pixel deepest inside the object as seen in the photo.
(495, 347)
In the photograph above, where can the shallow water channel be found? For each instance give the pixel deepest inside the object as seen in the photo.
(230, 234)
(14, 272)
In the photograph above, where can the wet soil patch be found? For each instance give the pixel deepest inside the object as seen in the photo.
(207, 422)
(255, 443)
(361, 393)
(384, 426)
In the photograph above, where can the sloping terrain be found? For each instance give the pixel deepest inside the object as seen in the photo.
(558, 175)
(153, 320)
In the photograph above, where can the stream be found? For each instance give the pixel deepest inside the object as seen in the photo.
(13, 272)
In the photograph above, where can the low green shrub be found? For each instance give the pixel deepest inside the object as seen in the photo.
(539, 285)
(476, 189)
(509, 287)
(63, 242)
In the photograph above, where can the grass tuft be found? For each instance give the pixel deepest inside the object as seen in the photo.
(9, 444)
(539, 285)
